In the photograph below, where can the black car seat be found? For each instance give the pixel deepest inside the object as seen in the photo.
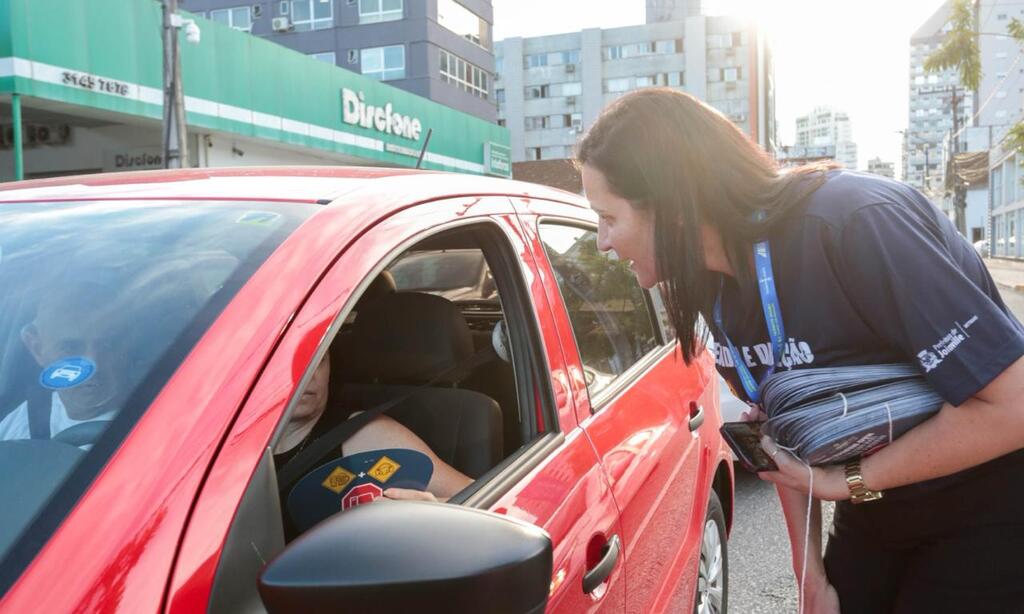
(406, 340)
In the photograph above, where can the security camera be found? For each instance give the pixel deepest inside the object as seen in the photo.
(192, 33)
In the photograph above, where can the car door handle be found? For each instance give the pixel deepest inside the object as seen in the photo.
(600, 572)
(696, 415)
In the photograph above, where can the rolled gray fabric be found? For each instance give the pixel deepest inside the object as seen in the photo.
(831, 415)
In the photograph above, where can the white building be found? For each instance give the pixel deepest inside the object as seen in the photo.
(550, 88)
(932, 99)
(671, 10)
(879, 167)
(825, 126)
(1002, 65)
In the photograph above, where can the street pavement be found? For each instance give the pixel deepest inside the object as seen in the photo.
(760, 578)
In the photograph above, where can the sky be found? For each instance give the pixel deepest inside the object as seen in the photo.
(852, 55)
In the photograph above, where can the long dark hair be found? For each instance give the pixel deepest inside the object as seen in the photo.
(666, 151)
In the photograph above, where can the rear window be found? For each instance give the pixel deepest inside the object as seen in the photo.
(101, 302)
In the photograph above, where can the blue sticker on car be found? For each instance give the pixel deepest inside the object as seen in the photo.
(67, 373)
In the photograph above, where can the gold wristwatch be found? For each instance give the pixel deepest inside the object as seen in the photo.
(859, 493)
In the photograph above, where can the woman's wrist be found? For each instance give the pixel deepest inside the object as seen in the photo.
(833, 486)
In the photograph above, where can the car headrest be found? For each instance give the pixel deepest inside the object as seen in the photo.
(382, 285)
(408, 337)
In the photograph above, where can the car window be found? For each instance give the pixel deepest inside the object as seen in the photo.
(101, 302)
(610, 316)
(456, 274)
(451, 363)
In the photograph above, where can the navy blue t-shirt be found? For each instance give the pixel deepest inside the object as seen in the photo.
(868, 271)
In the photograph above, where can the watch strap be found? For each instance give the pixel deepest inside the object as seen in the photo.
(859, 492)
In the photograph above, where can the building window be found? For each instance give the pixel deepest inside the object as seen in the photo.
(571, 88)
(535, 60)
(724, 41)
(536, 91)
(312, 15)
(668, 46)
(464, 22)
(731, 74)
(572, 121)
(383, 63)
(376, 11)
(499, 66)
(622, 84)
(670, 79)
(324, 56)
(499, 96)
(632, 50)
(538, 122)
(239, 17)
(464, 75)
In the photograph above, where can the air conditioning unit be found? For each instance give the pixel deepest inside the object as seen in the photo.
(281, 24)
(570, 68)
(570, 100)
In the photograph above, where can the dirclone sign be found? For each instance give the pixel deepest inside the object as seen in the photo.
(356, 112)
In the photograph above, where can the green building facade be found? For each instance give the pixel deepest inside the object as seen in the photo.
(85, 76)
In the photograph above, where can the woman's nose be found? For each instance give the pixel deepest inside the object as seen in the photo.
(603, 243)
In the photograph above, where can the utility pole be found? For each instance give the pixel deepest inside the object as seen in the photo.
(175, 145)
(959, 193)
(927, 181)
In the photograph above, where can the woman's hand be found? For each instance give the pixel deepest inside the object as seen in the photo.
(753, 414)
(819, 597)
(829, 482)
(408, 494)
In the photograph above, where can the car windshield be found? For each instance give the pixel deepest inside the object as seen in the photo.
(101, 302)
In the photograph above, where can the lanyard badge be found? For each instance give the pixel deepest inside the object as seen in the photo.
(772, 317)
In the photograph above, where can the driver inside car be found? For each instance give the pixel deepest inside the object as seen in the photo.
(72, 340)
(307, 422)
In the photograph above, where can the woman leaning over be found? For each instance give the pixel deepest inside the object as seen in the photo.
(866, 271)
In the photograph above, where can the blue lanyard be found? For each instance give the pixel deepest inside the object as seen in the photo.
(772, 317)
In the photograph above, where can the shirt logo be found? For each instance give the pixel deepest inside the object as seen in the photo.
(928, 360)
(932, 357)
(794, 353)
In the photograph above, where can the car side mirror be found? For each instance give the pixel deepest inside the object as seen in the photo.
(412, 556)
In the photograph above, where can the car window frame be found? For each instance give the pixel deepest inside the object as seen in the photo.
(480, 494)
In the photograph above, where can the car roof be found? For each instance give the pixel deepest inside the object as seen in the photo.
(311, 184)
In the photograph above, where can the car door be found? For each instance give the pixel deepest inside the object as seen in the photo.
(554, 481)
(641, 407)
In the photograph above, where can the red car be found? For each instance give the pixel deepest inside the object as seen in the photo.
(158, 330)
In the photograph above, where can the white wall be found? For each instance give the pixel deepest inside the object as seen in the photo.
(224, 150)
(89, 150)
(137, 147)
